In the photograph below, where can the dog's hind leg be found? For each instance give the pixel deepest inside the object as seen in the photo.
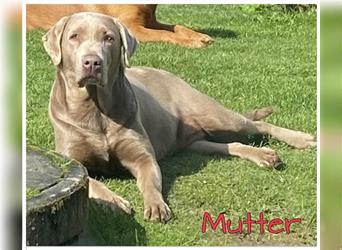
(261, 156)
(217, 120)
(259, 114)
(293, 138)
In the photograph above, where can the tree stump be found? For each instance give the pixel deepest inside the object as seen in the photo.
(57, 198)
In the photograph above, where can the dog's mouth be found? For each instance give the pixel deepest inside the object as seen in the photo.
(90, 80)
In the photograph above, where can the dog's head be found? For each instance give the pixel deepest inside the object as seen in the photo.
(89, 47)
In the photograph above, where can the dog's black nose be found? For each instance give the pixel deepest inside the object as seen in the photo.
(91, 63)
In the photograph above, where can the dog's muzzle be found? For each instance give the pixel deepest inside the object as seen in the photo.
(91, 71)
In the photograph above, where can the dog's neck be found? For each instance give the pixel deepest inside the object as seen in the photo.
(115, 100)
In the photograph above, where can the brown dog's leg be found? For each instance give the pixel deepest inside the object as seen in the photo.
(261, 156)
(153, 35)
(146, 28)
(183, 31)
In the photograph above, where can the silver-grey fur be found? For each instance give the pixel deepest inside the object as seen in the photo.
(104, 113)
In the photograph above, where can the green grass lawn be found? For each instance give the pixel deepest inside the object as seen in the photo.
(258, 59)
(331, 127)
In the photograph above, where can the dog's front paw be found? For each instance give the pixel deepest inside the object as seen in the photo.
(114, 203)
(99, 193)
(121, 203)
(157, 210)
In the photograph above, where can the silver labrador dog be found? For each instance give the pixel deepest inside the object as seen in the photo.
(105, 112)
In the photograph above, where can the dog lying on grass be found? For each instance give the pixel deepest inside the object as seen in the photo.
(139, 18)
(105, 113)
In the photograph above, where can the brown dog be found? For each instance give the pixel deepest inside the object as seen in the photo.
(140, 19)
(104, 113)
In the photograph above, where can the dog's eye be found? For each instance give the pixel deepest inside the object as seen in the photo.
(73, 37)
(108, 38)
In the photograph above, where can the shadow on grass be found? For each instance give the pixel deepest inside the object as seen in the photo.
(186, 163)
(218, 32)
(106, 228)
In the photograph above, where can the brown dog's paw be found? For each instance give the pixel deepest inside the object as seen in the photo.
(193, 43)
(198, 41)
(206, 39)
(157, 211)
(202, 41)
(185, 32)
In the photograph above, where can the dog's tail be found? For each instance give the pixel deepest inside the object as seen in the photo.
(259, 114)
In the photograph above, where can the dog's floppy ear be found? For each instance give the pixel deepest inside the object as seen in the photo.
(129, 43)
(52, 40)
